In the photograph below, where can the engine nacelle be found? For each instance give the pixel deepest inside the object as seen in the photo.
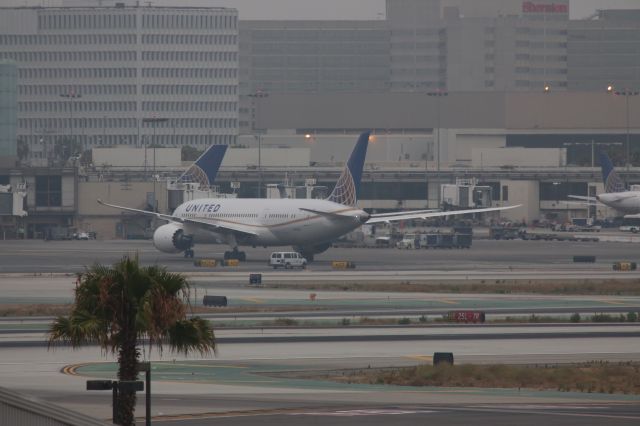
(170, 238)
(308, 251)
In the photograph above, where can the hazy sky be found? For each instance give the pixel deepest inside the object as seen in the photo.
(327, 9)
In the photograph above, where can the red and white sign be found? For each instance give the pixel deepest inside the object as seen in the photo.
(531, 7)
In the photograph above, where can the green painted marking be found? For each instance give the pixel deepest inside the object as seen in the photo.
(259, 374)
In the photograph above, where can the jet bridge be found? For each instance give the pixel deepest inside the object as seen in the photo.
(466, 194)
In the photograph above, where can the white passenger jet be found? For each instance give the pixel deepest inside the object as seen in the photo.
(615, 195)
(308, 225)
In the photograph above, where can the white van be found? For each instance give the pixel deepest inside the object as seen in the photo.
(287, 260)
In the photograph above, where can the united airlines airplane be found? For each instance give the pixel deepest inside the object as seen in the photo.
(308, 225)
(615, 195)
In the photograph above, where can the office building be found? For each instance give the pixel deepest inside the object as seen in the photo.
(605, 50)
(123, 75)
(8, 113)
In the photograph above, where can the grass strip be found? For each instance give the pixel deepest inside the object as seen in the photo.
(584, 287)
(591, 377)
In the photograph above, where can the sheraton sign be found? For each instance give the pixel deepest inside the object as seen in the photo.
(531, 7)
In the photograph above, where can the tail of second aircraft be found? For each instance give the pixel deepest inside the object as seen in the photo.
(205, 169)
(348, 186)
(611, 180)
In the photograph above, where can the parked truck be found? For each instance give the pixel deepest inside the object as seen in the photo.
(409, 242)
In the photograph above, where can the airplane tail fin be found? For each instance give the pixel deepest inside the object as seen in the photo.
(205, 168)
(611, 180)
(348, 186)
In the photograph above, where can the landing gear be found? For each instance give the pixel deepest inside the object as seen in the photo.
(188, 253)
(235, 254)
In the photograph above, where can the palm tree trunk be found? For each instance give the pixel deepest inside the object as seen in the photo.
(128, 369)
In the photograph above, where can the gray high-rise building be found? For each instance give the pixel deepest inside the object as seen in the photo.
(310, 57)
(468, 45)
(112, 75)
(8, 113)
(605, 50)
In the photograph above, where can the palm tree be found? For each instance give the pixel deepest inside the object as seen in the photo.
(120, 306)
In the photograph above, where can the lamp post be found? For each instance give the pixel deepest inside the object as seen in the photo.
(154, 121)
(259, 138)
(259, 94)
(71, 96)
(555, 192)
(626, 93)
(438, 95)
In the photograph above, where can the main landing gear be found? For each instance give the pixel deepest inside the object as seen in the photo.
(188, 253)
(235, 254)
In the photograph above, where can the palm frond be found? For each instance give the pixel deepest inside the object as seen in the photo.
(80, 328)
(194, 334)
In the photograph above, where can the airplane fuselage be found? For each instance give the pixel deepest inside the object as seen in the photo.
(275, 222)
(627, 202)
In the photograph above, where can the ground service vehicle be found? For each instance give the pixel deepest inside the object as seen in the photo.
(410, 241)
(445, 240)
(287, 260)
(502, 233)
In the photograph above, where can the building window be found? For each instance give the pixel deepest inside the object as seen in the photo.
(48, 191)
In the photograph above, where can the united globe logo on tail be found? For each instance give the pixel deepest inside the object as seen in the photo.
(348, 186)
(205, 168)
(345, 190)
(611, 180)
(613, 183)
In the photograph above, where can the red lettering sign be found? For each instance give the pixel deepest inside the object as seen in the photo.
(531, 7)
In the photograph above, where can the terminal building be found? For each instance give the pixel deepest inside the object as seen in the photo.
(510, 93)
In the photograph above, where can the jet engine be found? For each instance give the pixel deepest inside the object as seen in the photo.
(308, 251)
(170, 238)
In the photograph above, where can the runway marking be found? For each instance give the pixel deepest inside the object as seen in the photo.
(71, 370)
(450, 302)
(427, 358)
(353, 413)
(551, 413)
(252, 299)
(612, 302)
(164, 364)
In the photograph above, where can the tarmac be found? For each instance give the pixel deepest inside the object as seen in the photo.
(237, 387)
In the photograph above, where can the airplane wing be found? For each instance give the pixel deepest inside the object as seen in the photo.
(145, 212)
(583, 198)
(421, 214)
(214, 226)
(378, 215)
